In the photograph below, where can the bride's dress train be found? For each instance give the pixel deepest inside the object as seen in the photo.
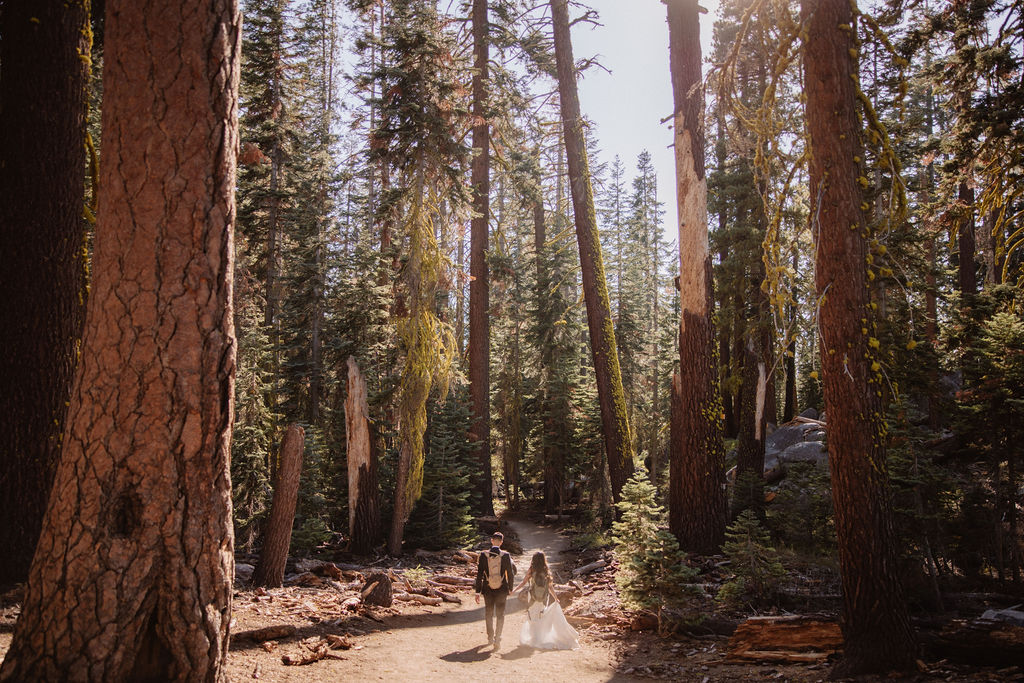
(547, 629)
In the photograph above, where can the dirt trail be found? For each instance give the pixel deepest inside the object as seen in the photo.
(449, 643)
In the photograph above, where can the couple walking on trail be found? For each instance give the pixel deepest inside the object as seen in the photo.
(545, 626)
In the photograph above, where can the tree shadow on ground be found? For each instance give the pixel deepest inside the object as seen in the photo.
(475, 654)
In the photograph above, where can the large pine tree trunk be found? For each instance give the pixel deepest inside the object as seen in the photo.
(479, 285)
(278, 537)
(611, 397)
(876, 626)
(697, 504)
(363, 498)
(967, 268)
(42, 254)
(132, 576)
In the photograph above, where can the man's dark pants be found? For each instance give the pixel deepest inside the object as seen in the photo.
(494, 601)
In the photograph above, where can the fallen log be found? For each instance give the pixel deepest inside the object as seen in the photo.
(266, 633)
(463, 556)
(587, 568)
(447, 597)
(794, 638)
(454, 580)
(322, 650)
(447, 586)
(308, 579)
(415, 597)
(979, 642)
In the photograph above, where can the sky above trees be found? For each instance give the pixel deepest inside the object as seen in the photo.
(628, 104)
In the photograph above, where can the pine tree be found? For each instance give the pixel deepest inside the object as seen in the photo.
(615, 421)
(754, 563)
(653, 573)
(143, 479)
(876, 626)
(697, 495)
(442, 517)
(417, 143)
(43, 89)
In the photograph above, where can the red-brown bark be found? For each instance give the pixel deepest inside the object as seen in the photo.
(697, 504)
(278, 537)
(43, 252)
(610, 395)
(967, 266)
(479, 283)
(132, 576)
(875, 622)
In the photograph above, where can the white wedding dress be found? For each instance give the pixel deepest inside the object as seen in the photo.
(546, 628)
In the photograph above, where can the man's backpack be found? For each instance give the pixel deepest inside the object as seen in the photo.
(494, 578)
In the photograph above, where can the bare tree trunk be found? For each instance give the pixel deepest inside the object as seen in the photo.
(42, 240)
(697, 509)
(479, 285)
(132, 576)
(363, 499)
(967, 269)
(790, 405)
(750, 444)
(278, 538)
(989, 239)
(460, 295)
(611, 397)
(400, 514)
(876, 626)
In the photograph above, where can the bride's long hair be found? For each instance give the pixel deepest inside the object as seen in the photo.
(539, 565)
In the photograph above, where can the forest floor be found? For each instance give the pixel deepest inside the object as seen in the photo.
(412, 642)
(347, 641)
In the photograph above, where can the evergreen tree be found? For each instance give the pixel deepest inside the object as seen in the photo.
(653, 573)
(442, 517)
(754, 563)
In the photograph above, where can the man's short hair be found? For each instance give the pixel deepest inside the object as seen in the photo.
(499, 535)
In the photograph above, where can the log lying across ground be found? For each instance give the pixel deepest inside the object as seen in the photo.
(587, 568)
(980, 642)
(266, 633)
(454, 580)
(416, 597)
(785, 639)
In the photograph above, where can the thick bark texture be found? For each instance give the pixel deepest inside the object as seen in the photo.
(876, 626)
(363, 505)
(42, 254)
(400, 512)
(611, 397)
(967, 268)
(278, 538)
(697, 504)
(479, 284)
(748, 492)
(132, 576)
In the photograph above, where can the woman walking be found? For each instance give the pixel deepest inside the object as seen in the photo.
(545, 627)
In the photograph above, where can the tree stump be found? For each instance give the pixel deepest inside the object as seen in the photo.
(377, 590)
(274, 554)
(363, 504)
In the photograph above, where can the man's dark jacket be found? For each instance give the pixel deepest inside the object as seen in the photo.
(508, 571)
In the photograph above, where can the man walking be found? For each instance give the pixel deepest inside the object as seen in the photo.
(495, 576)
